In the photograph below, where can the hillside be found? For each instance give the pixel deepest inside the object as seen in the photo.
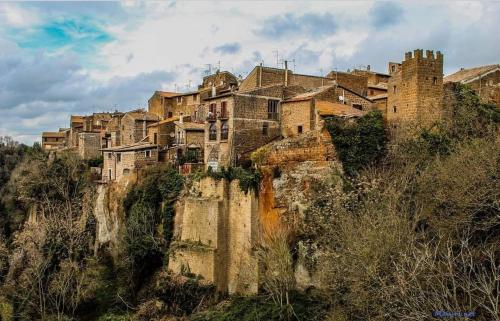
(402, 227)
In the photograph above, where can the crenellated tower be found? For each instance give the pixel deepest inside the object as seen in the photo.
(415, 89)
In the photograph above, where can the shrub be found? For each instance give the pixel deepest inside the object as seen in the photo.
(358, 143)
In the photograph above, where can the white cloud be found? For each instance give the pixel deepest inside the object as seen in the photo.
(16, 16)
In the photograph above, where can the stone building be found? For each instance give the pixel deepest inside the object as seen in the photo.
(239, 122)
(415, 89)
(54, 140)
(162, 133)
(121, 161)
(189, 141)
(75, 127)
(134, 125)
(167, 104)
(89, 144)
(304, 114)
(113, 130)
(484, 80)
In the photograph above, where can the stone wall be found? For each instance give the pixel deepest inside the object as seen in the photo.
(295, 114)
(415, 91)
(89, 145)
(215, 229)
(487, 88)
(356, 83)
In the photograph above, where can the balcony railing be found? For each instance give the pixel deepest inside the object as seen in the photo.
(211, 116)
(223, 115)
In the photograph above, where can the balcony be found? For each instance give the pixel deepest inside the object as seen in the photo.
(223, 115)
(211, 116)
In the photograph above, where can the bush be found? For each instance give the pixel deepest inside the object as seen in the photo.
(358, 143)
(248, 180)
(149, 218)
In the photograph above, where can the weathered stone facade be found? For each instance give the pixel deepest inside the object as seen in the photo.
(123, 160)
(53, 140)
(134, 126)
(415, 89)
(215, 230)
(89, 145)
(484, 80)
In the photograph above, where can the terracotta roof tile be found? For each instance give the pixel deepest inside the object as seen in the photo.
(326, 108)
(464, 75)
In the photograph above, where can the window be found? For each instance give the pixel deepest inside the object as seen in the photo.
(155, 138)
(119, 157)
(109, 155)
(371, 91)
(147, 153)
(224, 132)
(195, 97)
(123, 127)
(395, 109)
(179, 100)
(265, 129)
(393, 68)
(223, 109)
(434, 81)
(169, 114)
(110, 177)
(212, 108)
(212, 132)
(300, 129)
(394, 89)
(272, 109)
(357, 106)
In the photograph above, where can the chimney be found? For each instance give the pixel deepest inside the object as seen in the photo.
(286, 73)
(181, 118)
(368, 67)
(214, 92)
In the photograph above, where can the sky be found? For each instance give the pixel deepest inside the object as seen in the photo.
(63, 58)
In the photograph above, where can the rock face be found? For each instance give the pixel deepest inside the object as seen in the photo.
(294, 169)
(215, 231)
(109, 214)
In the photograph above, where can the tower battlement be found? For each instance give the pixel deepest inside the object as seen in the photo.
(419, 55)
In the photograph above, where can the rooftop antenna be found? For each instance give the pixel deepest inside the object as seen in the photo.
(321, 74)
(175, 88)
(218, 69)
(277, 58)
(189, 84)
(293, 60)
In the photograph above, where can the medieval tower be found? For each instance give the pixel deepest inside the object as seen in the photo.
(415, 89)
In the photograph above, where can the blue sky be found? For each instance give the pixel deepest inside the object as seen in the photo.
(63, 58)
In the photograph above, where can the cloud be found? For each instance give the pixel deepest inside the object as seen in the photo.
(385, 14)
(79, 57)
(228, 48)
(311, 24)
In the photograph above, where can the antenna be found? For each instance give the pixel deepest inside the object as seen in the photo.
(293, 60)
(277, 58)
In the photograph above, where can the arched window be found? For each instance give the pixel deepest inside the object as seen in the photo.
(224, 133)
(212, 132)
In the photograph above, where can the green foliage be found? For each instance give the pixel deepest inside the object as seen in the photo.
(96, 162)
(358, 143)
(304, 307)
(149, 208)
(248, 179)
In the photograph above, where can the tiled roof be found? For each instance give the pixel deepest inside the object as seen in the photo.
(77, 119)
(143, 115)
(53, 134)
(465, 75)
(380, 96)
(190, 125)
(130, 147)
(326, 108)
(165, 121)
(310, 94)
(380, 85)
